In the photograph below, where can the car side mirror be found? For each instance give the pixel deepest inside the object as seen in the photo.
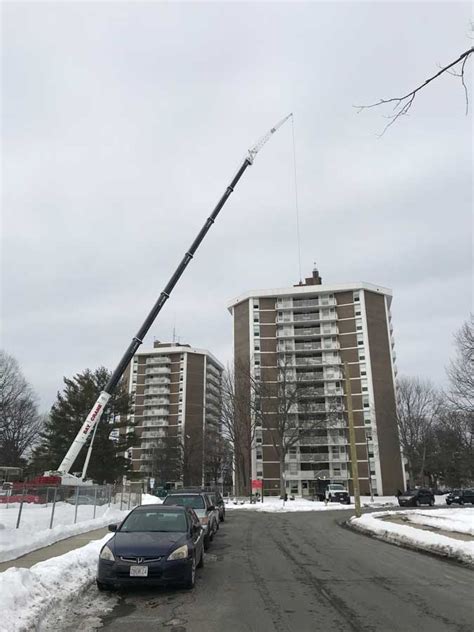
(113, 527)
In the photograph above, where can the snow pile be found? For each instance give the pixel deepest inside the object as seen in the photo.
(27, 594)
(34, 532)
(403, 534)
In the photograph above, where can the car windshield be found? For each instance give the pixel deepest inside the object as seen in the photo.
(337, 488)
(193, 500)
(153, 520)
(409, 492)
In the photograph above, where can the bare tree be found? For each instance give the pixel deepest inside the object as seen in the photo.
(461, 369)
(418, 407)
(239, 390)
(402, 104)
(283, 404)
(20, 423)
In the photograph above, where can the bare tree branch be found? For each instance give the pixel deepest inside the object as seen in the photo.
(403, 104)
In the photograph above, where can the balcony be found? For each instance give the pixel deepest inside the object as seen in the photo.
(158, 360)
(314, 457)
(304, 304)
(308, 346)
(156, 391)
(153, 423)
(155, 412)
(311, 392)
(307, 331)
(310, 377)
(158, 370)
(158, 401)
(301, 361)
(157, 380)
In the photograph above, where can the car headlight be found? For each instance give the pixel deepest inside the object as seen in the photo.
(179, 554)
(106, 554)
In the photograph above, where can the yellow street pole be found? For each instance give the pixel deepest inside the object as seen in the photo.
(354, 465)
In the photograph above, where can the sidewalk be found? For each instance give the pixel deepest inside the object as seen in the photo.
(54, 550)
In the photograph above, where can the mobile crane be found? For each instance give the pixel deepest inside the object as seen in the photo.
(93, 418)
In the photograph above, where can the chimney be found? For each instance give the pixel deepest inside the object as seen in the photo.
(315, 279)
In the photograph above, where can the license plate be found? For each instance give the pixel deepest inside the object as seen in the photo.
(138, 571)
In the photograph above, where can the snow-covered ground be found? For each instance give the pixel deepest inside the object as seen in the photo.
(452, 520)
(275, 504)
(27, 594)
(34, 532)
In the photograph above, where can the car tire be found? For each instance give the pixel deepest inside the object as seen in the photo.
(461, 501)
(417, 503)
(222, 518)
(101, 587)
(201, 561)
(191, 578)
(206, 542)
(432, 502)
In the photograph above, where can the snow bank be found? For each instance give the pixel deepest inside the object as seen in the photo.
(273, 504)
(456, 520)
(27, 594)
(403, 534)
(34, 532)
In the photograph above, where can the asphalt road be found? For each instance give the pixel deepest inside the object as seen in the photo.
(301, 572)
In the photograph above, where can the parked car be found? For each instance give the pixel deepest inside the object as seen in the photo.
(337, 493)
(416, 497)
(460, 497)
(202, 505)
(153, 545)
(218, 502)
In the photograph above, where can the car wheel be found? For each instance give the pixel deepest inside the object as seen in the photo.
(222, 518)
(461, 501)
(206, 542)
(191, 578)
(101, 587)
(417, 503)
(432, 502)
(201, 561)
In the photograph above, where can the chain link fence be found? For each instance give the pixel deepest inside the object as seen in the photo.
(68, 504)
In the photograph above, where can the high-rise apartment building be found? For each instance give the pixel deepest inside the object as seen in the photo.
(176, 390)
(310, 331)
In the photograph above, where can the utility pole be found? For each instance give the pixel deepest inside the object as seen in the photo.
(350, 418)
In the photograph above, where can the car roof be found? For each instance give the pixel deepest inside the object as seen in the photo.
(160, 507)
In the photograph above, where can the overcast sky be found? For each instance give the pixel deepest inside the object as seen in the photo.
(124, 122)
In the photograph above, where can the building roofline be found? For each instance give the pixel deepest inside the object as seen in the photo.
(179, 349)
(310, 289)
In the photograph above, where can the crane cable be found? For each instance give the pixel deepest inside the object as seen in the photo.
(296, 199)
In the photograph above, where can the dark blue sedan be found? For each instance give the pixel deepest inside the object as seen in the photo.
(154, 545)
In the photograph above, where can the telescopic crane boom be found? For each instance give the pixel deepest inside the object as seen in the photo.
(95, 414)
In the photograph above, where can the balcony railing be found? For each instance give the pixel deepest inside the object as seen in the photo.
(158, 370)
(307, 346)
(315, 457)
(158, 360)
(157, 380)
(310, 377)
(158, 401)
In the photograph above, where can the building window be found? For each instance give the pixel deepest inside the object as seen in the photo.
(255, 303)
(259, 473)
(356, 297)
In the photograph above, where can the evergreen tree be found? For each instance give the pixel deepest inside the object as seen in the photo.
(108, 462)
